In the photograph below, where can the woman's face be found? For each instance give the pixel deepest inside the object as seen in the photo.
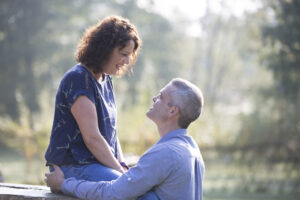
(119, 59)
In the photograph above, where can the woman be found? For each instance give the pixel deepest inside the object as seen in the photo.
(83, 139)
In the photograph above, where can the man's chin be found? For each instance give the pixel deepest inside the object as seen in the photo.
(148, 114)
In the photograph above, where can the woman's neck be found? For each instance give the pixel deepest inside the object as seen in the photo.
(99, 76)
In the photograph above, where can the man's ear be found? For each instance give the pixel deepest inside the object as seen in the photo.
(174, 110)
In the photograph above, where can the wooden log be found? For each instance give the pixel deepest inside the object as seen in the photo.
(9, 191)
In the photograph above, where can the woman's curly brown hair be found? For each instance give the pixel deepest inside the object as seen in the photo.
(98, 42)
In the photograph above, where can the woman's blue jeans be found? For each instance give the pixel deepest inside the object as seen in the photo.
(97, 172)
(91, 172)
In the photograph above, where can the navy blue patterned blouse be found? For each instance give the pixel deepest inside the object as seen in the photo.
(66, 143)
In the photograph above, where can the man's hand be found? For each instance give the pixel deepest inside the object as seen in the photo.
(55, 179)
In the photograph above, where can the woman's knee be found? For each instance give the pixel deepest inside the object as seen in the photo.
(98, 172)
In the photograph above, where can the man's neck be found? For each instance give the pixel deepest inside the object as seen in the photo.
(163, 129)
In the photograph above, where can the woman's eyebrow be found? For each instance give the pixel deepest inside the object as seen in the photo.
(124, 51)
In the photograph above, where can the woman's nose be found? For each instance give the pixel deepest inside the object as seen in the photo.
(126, 60)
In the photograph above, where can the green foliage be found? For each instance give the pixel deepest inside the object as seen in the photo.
(19, 28)
(272, 129)
(283, 38)
(21, 135)
(275, 123)
(136, 132)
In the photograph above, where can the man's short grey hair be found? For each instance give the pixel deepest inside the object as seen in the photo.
(189, 99)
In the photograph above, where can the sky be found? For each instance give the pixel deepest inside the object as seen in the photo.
(193, 10)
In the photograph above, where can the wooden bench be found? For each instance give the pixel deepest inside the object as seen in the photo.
(9, 191)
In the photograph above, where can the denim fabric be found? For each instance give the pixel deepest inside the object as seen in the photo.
(92, 172)
(149, 196)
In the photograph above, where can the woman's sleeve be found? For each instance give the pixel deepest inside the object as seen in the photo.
(75, 85)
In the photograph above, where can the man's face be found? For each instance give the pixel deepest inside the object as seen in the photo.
(159, 111)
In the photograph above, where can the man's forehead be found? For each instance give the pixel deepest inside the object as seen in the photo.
(167, 89)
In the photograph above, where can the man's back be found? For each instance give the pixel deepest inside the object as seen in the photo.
(184, 171)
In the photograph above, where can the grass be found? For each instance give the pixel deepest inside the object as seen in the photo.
(247, 196)
(15, 169)
(225, 180)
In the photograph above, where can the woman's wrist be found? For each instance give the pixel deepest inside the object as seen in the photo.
(121, 170)
(123, 164)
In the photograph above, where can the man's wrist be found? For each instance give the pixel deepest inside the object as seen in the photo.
(66, 186)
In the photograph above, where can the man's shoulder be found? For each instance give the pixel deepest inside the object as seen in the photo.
(176, 146)
(162, 151)
(183, 147)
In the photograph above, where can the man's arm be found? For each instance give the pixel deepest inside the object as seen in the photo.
(151, 170)
(84, 189)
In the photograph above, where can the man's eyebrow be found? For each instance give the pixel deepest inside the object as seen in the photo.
(161, 95)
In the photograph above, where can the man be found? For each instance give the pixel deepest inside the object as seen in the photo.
(173, 168)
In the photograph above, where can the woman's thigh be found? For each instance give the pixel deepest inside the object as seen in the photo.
(91, 172)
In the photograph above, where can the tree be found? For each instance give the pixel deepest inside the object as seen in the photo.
(283, 36)
(19, 27)
(273, 129)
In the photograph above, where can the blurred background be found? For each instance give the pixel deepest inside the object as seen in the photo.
(244, 55)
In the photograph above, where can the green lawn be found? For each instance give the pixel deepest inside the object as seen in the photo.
(237, 196)
(15, 170)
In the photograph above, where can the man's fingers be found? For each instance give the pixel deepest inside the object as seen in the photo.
(46, 181)
(56, 167)
(58, 171)
(47, 174)
(53, 190)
